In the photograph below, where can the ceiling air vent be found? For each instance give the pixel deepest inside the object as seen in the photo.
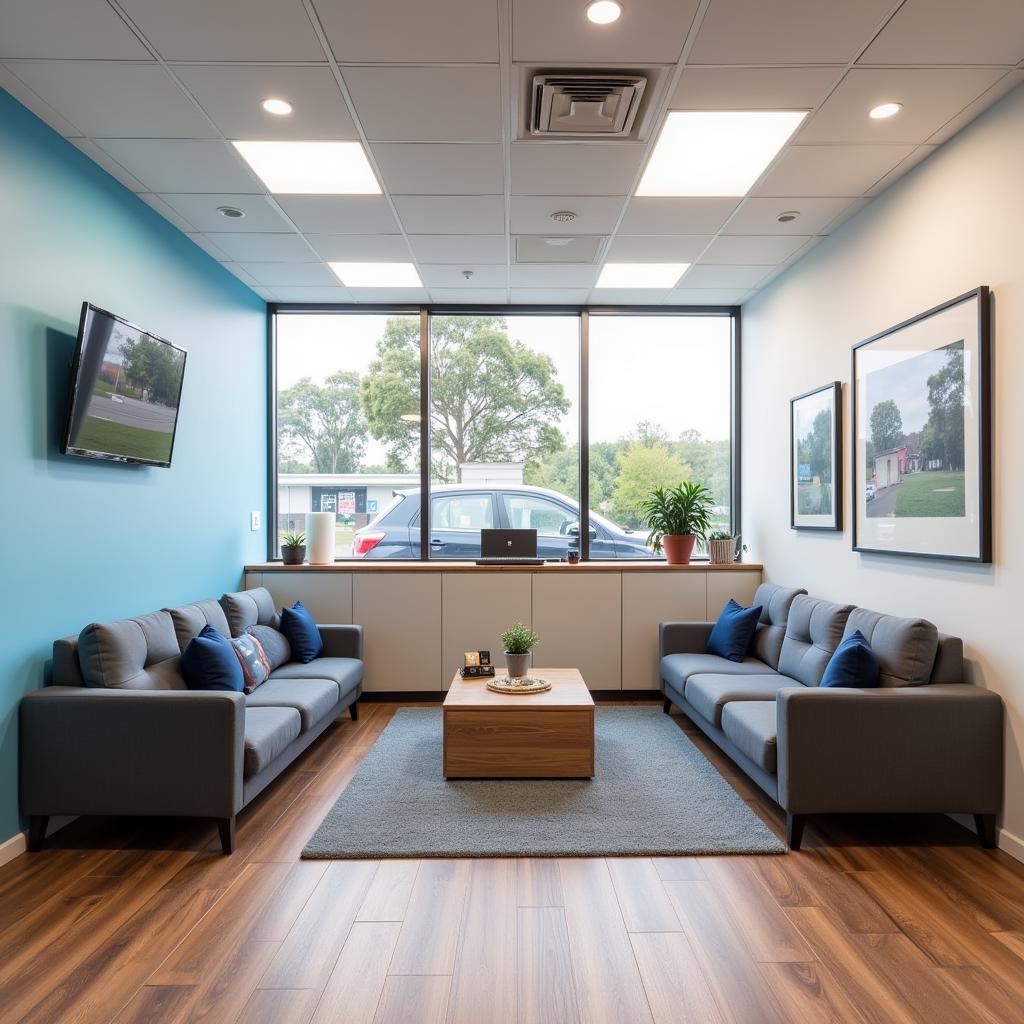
(593, 104)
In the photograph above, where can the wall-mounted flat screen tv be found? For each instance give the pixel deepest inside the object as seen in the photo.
(125, 392)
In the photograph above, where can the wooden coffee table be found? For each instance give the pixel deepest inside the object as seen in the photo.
(548, 735)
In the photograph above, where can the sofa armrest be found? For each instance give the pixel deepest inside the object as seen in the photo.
(131, 752)
(904, 749)
(342, 641)
(683, 637)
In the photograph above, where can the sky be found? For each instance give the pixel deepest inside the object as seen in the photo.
(906, 383)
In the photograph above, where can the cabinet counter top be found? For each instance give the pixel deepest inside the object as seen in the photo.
(435, 565)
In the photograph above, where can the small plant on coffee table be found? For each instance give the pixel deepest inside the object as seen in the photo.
(518, 640)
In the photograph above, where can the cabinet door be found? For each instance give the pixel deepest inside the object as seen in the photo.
(327, 595)
(579, 622)
(738, 584)
(478, 608)
(400, 613)
(649, 598)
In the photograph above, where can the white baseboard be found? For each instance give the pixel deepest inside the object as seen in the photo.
(1011, 844)
(13, 847)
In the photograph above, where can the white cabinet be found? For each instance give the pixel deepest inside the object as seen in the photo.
(735, 583)
(328, 595)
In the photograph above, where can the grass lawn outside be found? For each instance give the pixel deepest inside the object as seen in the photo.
(814, 499)
(931, 494)
(118, 439)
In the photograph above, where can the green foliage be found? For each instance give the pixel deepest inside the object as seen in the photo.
(641, 470)
(681, 510)
(886, 426)
(720, 535)
(324, 421)
(519, 639)
(293, 540)
(943, 434)
(153, 368)
(816, 448)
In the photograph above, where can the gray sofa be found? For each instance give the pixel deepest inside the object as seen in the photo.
(119, 733)
(923, 741)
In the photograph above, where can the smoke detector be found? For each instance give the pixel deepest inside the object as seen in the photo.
(585, 104)
(231, 212)
(787, 216)
(563, 216)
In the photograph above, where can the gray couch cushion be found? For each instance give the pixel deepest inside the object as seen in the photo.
(312, 698)
(677, 668)
(274, 643)
(190, 619)
(268, 731)
(709, 693)
(905, 648)
(65, 669)
(249, 608)
(751, 726)
(775, 602)
(133, 654)
(346, 672)
(814, 631)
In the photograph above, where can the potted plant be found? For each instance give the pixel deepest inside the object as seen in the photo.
(518, 641)
(677, 518)
(721, 547)
(293, 548)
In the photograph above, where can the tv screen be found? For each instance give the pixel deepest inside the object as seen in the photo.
(125, 391)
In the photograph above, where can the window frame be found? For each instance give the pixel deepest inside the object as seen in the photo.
(425, 311)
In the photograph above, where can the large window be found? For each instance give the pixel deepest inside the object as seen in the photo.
(502, 437)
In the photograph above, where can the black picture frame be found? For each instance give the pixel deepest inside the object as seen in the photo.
(977, 499)
(805, 521)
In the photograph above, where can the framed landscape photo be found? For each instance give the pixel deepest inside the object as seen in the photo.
(815, 459)
(920, 404)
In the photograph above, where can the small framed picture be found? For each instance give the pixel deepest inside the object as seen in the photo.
(815, 459)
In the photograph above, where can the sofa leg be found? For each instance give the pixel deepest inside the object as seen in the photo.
(226, 827)
(353, 710)
(986, 826)
(795, 830)
(37, 831)
(667, 706)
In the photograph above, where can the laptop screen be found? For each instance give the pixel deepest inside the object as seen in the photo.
(508, 543)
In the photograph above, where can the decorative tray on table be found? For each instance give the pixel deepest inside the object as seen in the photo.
(518, 684)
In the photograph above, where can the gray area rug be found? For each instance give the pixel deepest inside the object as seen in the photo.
(654, 794)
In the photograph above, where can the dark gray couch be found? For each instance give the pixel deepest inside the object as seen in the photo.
(923, 741)
(119, 733)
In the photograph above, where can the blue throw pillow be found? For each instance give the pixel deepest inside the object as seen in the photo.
(301, 632)
(209, 663)
(733, 631)
(853, 663)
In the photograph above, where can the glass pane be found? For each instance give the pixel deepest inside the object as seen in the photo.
(348, 387)
(660, 413)
(504, 421)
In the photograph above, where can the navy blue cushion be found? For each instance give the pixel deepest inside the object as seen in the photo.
(209, 663)
(301, 632)
(734, 631)
(853, 663)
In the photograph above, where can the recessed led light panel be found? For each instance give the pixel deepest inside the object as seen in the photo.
(377, 275)
(311, 168)
(641, 275)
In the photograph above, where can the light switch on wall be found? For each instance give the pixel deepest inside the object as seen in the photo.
(254, 520)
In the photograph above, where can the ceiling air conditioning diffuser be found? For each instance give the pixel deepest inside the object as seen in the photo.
(593, 104)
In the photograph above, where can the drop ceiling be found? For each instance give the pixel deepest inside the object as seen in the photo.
(154, 92)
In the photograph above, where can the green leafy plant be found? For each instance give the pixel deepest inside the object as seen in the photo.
(720, 535)
(519, 639)
(677, 511)
(293, 540)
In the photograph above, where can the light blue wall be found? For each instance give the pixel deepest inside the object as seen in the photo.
(83, 540)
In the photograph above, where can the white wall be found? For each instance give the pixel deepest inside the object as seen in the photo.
(955, 222)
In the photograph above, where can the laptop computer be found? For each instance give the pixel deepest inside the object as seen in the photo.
(508, 547)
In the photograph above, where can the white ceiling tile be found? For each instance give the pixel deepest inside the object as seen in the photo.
(250, 247)
(439, 215)
(273, 274)
(226, 30)
(449, 275)
(702, 88)
(396, 31)
(233, 98)
(711, 276)
(208, 247)
(267, 294)
(168, 213)
(595, 215)
(109, 164)
(182, 165)
(829, 170)
(352, 215)
(951, 32)
(241, 273)
(705, 296)
(304, 293)
(497, 296)
(753, 249)
(443, 169)
(461, 249)
(785, 31)
(844, 215)
(539, 275)
(107, 99)
(651, 216)
(1005, 84)
(561, 169)
(800, 253)
(553, 296)
(912, 160)
(82, 29)
(761, 216)
(201, 211)
(629, 296)
(389, 294)
(556, 249)
(357, 248)
(654, 248)
(426, 104)
(10, 82)
(930, 97)
(652, 32)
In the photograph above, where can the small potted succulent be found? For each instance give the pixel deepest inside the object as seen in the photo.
(518, 640)
(721, 547)
(293, 548)
(677, 518)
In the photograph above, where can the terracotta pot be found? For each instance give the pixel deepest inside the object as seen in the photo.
(678, 548)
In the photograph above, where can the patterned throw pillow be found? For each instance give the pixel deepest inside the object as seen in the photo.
(253, 659)
(275, 645)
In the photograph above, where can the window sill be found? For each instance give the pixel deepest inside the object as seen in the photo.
(435, 565)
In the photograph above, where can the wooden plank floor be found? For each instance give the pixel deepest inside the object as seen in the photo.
(876, 920)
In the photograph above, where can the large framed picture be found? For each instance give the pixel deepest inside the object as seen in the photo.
(920, 401)
(815, 459)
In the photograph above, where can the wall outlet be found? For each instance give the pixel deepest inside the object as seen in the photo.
(254, 520)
